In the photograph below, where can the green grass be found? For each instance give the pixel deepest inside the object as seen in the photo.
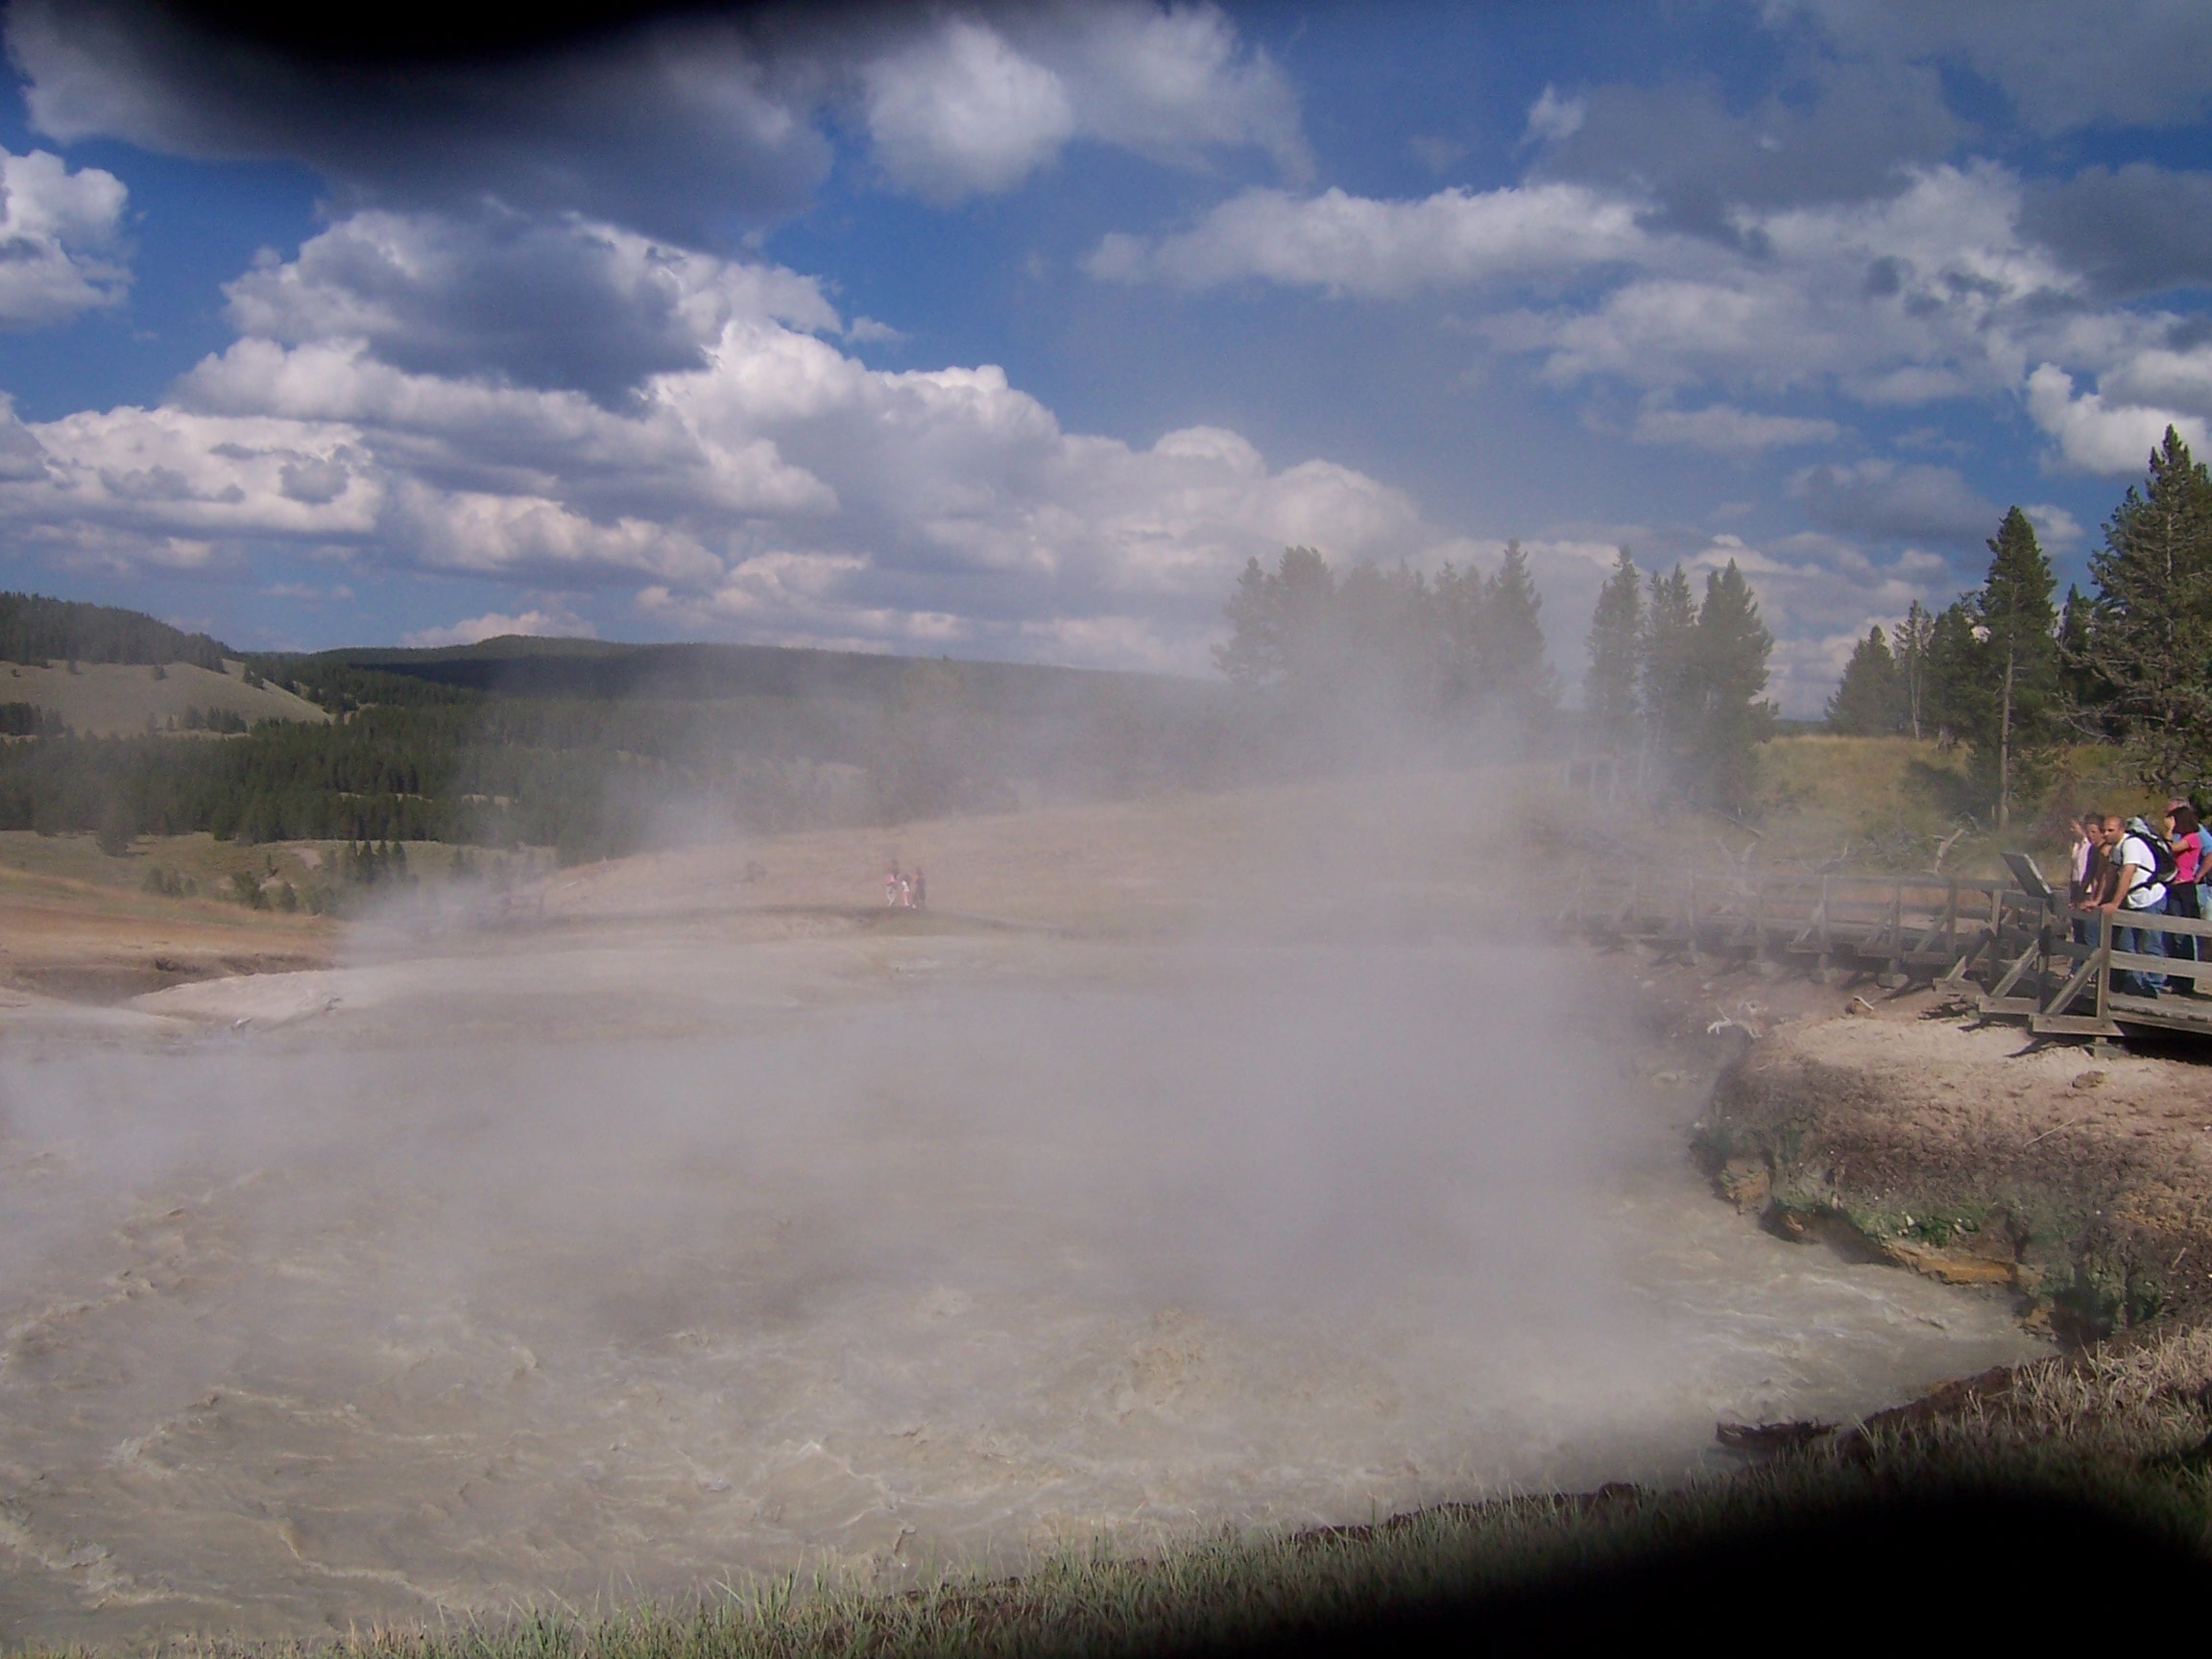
(1890, 806)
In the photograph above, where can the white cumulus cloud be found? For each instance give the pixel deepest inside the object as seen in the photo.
(1551, 117)
(2095, 436)
(61, 231)
(962, 112)
(1937, 290)
(1354, 245)
(972, 105)
(769, 486)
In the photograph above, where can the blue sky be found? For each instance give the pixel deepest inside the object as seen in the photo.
(1013, 331)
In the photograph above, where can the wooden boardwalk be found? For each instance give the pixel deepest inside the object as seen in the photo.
(2010, 945)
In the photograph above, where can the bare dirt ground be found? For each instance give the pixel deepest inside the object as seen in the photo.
(1169, 863)
(77, 924)
(1902, 1124)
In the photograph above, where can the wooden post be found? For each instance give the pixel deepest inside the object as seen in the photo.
(1893, 979)
(1821, 970)
(2103, 965)
(2054, 924)
(1692, 957)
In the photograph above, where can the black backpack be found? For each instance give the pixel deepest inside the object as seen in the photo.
(2161, 858)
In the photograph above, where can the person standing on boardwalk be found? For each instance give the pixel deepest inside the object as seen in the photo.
(2135, 892)
(2085, 870)
(2184, 896)
(921, 889)
(890, 886)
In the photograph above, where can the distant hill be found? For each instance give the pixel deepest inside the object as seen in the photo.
(587, 746)
(102, 671)
(126, 700)
(515, 665)
(36, 628)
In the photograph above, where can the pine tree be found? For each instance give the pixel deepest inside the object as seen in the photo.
(1513, 670)
(1730, 648)
(1285, 627)
(1457, 602)
(2151, 637)
(2020, 654)
(1616, 643)
(1669, 668)
(2085, 698)
(1952, 692)
(1912, 658)
(1867, 700)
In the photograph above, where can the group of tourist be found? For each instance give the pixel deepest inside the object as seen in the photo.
(905, 890)
(2130, 871)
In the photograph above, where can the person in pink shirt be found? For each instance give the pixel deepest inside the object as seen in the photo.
(2184, 896)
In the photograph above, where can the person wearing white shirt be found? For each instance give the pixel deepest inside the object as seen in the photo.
(2135, 890)
(2085, 869)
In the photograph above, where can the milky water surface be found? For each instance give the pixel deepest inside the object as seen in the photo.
(463, 1293)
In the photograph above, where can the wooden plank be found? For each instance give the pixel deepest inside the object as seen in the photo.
(2138, 962)
(2158, 1012)
(2149, 920)
(2071, 1026)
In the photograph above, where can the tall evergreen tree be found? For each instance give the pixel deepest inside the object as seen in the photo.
(1669, 668)
(1388, 645)
(1616, 643)
(2021, 650)
(1867, 700)
(2085, 700)
(1514, 672)
(1912, 658)
(1730, 648)
(1953, 680)
(2151, 637)
(1283, 623)
(1459, 602)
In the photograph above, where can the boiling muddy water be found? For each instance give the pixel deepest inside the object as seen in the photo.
(642, 1262)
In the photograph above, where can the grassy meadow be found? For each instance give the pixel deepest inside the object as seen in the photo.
(1894, 804)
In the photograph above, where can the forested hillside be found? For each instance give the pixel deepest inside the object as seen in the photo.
(36, 628)
(597, 749)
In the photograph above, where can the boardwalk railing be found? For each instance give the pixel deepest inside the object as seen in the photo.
(2016, 952)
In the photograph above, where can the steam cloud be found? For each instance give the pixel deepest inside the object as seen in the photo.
(626, 1257)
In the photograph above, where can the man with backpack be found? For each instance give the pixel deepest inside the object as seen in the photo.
(2134, 856)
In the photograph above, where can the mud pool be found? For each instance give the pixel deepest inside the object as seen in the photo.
(630, 1263)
